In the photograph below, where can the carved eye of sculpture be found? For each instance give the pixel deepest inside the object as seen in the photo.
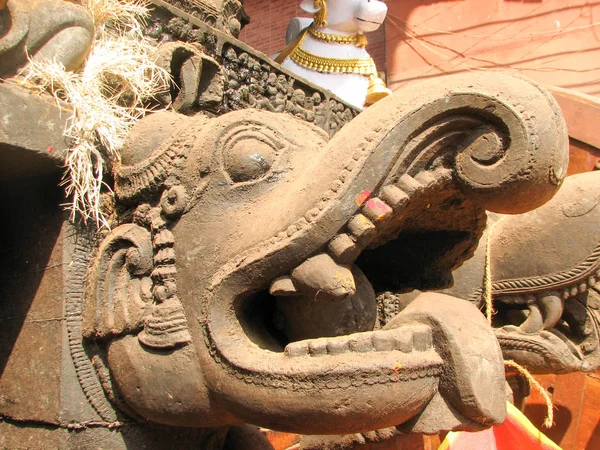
(249, 152)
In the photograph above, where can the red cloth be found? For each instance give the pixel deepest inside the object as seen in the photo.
(516, 433)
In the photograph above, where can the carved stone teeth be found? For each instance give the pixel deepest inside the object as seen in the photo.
(343, 249)
(164, 255)
(535, 320)
(409, 185)
(362, 228)
(422, 338)
(317, 347)
(297, 349)
(283, 286)
(403, 340)
(552, 306)
(164, 272)
(377, 210)
(164, 238)
(416, 338)
(574, 291)
(395, 197)
(337, 346)
(592, 281)
(361, 343)
(426, 178)
(384, 341)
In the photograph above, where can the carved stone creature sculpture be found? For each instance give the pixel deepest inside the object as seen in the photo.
(51, 29)
(234, 233)
(545, 266)
(331, 51)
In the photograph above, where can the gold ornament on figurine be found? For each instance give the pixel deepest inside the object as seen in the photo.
(321, 14)
(377, 90)
(360, 40)
(359, 66)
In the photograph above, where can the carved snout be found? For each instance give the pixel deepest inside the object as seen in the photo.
(370, 15)
(472, 380)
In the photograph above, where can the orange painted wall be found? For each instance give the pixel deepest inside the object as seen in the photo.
(576, 399)
(553, 41)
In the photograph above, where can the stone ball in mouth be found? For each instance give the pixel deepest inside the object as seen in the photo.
(305, 317)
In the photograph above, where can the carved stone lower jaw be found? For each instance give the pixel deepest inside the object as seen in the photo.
(350, 391)
(397, 370)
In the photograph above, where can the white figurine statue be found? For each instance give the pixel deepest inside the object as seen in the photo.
(331, 51)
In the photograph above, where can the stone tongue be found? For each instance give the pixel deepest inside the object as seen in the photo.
(319, 277)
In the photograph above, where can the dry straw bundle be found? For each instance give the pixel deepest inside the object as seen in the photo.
(107, 96)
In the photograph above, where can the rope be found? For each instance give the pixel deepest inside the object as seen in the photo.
(489, 312)
(549, 420)
(487, 288)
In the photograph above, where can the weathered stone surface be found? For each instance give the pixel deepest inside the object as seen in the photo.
(177, 302)
(544, 268)
(28, 436)
(31, 133)
(43, 29)
(31, 302)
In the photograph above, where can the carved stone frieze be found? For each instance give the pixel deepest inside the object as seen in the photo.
(227, 16)
(246, 77)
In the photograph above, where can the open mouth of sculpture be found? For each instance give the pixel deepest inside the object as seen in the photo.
(327, 306)
(317, 328)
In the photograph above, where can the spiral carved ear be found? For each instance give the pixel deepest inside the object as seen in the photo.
(118, 293)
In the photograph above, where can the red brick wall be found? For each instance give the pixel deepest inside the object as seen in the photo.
(269, 20)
